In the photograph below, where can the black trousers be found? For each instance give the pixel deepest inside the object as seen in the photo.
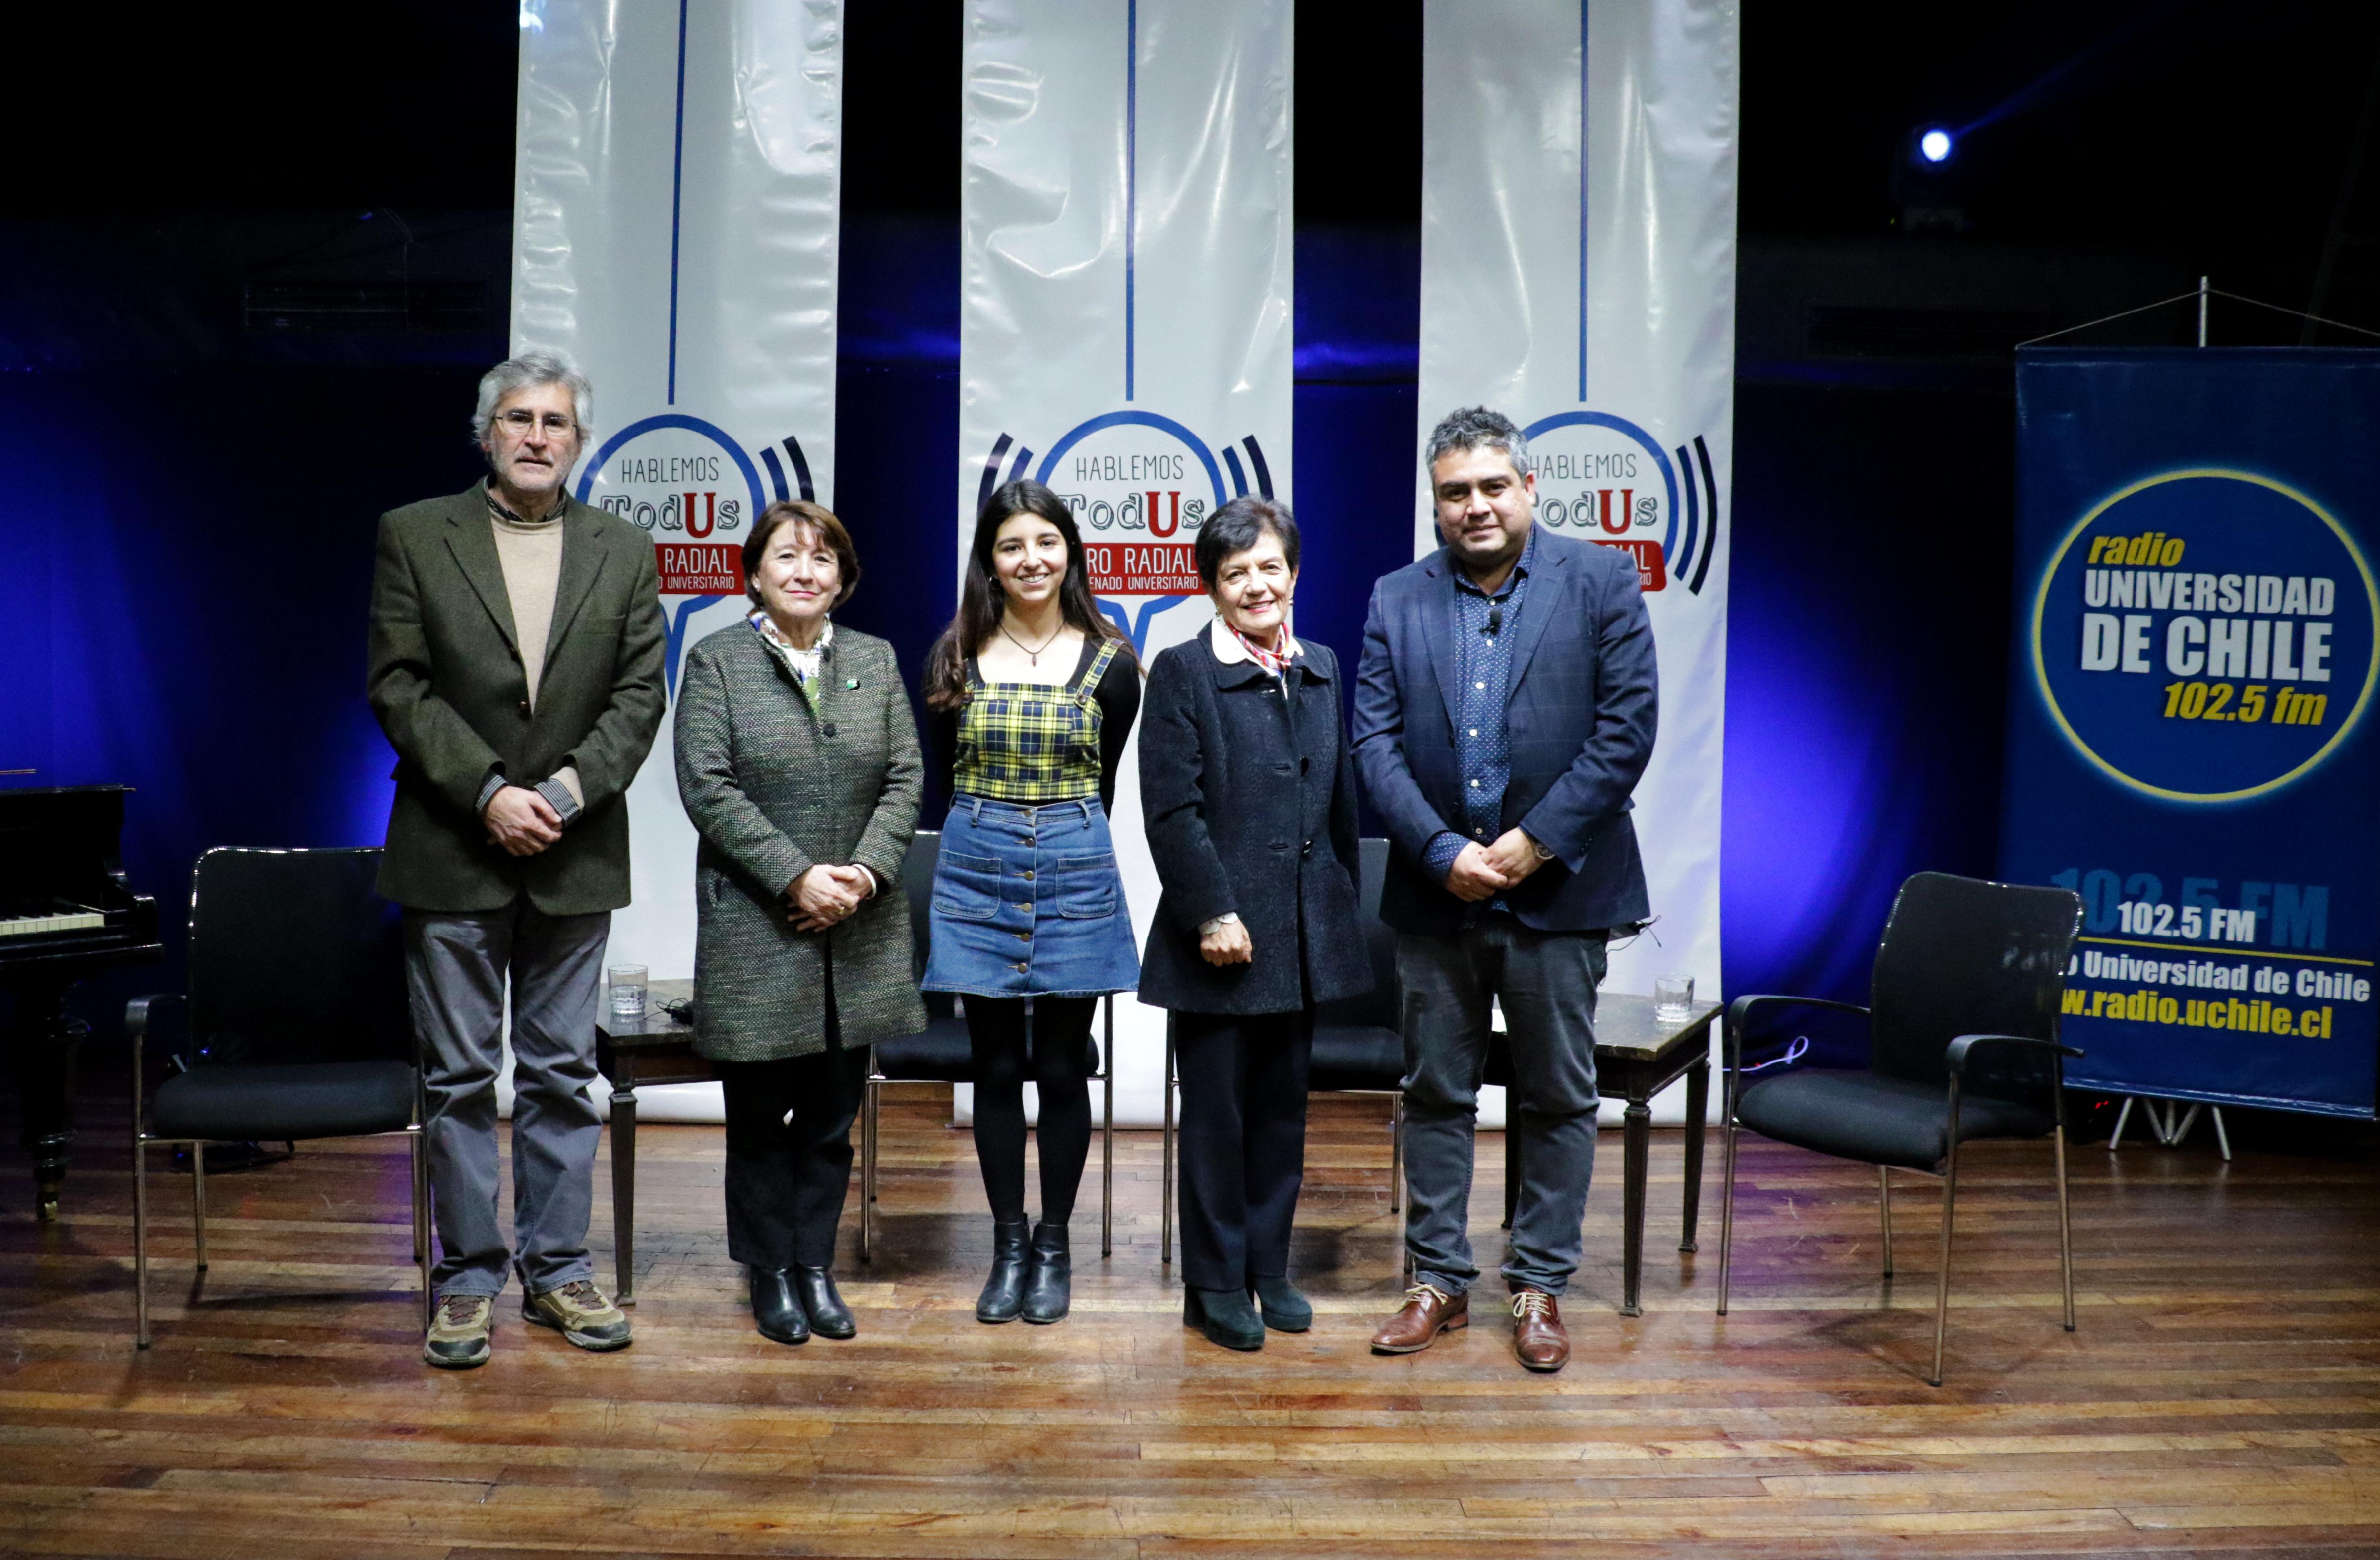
(789, 1154)
(1243, 1141)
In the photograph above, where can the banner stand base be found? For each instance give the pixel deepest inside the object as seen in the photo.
(2167, 1129)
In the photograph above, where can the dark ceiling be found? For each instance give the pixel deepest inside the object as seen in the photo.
(2211, 133)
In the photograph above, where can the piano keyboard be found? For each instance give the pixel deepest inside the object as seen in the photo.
(30, 926)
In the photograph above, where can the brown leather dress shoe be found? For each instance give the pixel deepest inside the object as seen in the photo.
(1539, 1338)
(1428, 1310)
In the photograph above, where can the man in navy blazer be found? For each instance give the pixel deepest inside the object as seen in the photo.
(1504, 711)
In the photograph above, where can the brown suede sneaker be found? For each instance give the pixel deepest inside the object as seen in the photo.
(1539, 1338)
(580, 1312)
(1428, 1310)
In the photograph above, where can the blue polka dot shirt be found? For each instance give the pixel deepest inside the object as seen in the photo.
(1483, 743)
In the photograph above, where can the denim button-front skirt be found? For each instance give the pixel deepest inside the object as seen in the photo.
(1028, 902)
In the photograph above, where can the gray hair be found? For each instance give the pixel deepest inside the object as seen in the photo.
(1472, 428)
(536, 367)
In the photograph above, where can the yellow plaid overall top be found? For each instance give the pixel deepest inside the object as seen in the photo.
(1031, 742)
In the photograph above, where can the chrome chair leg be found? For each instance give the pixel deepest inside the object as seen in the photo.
(421, 1224)
(1884, 1208)
(139, 1235)
(2065, 1234)
(199, 1198)
(867, 1171)
(1942, 1283)
(1727, 1210)
(1107, 1139)
(1396, 1154)
(1165, 1213)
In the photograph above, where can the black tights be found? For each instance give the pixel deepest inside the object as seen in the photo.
(1059, 1054)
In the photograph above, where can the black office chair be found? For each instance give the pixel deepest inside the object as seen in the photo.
(297, 1028)
(1358, 1040)
(941, 1055)
(1962, 1028)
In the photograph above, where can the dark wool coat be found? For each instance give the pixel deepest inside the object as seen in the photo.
(1250, 803)
(449, 686)
(774, 788)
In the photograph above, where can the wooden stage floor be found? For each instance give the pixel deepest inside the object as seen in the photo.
(2222, 1396)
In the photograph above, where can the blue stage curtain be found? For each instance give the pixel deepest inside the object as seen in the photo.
(1867, 638)
(185, 561)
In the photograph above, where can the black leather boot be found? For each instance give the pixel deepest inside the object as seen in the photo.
(1048, 1277)
(1285, 1311)
(830, 1318)
(1003, 1292)
(1224, 1315)
(777, 1307)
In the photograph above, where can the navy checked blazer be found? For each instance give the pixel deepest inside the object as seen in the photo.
(1581, 706)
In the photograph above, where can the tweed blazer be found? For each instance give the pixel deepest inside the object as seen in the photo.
(1581, 708)
(449, 686)
(774, 788)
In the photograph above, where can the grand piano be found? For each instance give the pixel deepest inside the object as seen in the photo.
(66, 911)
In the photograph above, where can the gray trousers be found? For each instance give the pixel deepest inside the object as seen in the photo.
(455, 965)
(1546, 981)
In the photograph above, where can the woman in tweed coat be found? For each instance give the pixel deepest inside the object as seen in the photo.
(797, 761)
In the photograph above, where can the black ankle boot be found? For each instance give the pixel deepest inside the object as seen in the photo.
(1224, 1315)
(1047, 1286)
(1285, 1311)
(1003, 1292)
(777, 1309)
(830, 1318)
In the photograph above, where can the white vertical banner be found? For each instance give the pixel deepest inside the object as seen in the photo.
(1124, 329)
(1578, 274)
(676, 202)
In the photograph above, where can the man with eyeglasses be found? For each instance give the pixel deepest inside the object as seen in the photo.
(515, 664)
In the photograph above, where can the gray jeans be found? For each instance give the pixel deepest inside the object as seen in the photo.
(1546, 981)
(455, 965)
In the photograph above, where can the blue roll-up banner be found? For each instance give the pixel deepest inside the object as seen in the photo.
(2190, 712)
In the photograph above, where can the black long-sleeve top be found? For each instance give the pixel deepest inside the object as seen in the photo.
(1117, 695)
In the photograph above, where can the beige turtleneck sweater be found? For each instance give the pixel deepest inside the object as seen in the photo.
(530, 551)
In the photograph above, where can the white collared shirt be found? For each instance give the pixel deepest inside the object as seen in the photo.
(1231, 653)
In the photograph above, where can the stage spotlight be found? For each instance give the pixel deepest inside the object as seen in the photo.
(1935, 146)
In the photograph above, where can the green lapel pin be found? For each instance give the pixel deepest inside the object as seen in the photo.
(850, 683)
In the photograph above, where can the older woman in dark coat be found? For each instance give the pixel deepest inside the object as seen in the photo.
(797, 760)
(1250, 794)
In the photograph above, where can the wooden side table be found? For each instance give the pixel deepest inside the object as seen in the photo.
(653, 1049)
(1636, 1056)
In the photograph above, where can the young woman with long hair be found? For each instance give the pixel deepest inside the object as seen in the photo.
(1030, 694)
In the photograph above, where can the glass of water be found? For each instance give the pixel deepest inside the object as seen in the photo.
(1673, 998)
(628, 991)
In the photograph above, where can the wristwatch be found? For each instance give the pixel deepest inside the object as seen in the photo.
(1208, 928)
(1539, 846)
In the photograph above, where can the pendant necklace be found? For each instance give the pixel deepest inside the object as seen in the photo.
(1032, 652)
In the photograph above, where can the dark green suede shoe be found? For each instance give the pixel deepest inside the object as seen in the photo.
(1285, 1311)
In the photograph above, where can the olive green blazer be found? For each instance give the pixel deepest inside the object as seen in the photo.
(449, 684)
(773, 788)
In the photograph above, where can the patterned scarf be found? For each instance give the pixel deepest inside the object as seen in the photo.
(803, 663)
(1275, 662)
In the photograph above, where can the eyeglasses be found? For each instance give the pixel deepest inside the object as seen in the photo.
(557, 425)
